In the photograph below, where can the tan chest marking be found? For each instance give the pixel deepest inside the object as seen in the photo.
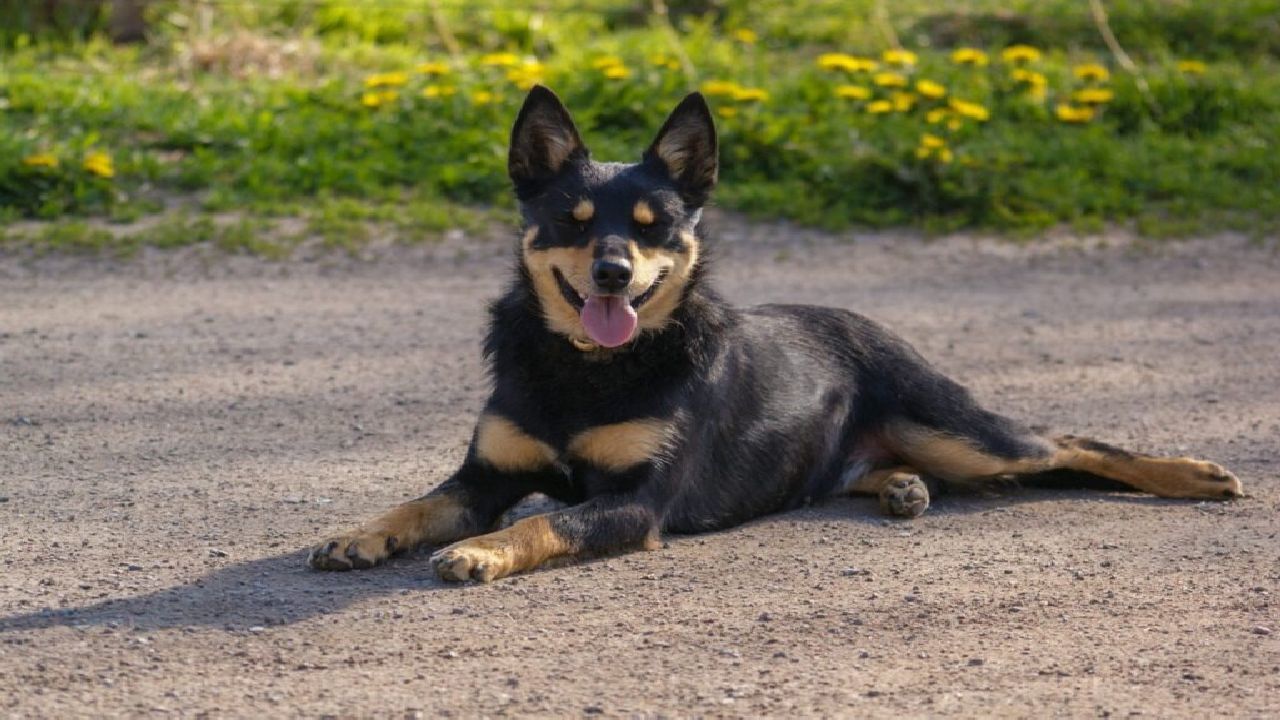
(508, 448)
(623, 445)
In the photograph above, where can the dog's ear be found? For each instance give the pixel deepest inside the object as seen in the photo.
(686, 149)
(543, 141)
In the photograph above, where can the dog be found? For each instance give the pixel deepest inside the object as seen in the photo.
(624, 386)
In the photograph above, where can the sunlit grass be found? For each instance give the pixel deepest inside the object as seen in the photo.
(832, 130)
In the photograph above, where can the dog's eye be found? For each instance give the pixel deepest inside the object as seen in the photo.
(573, 224)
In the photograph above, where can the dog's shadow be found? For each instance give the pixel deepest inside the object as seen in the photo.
(270, 591)
(281, 590)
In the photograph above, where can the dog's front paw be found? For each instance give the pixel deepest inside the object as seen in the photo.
(355, 551)
(472, 560)
(905, 495)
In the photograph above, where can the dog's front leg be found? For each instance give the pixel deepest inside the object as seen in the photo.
(600, 525)
(502, 466)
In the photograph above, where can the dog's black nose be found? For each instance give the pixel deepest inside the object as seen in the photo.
(611, 274)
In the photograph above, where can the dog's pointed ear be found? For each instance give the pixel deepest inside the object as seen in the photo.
(543, 141)
(686, 149)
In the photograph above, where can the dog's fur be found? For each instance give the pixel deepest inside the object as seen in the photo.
(710, 415)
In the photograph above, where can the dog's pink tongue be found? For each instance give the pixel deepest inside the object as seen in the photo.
(608, 319)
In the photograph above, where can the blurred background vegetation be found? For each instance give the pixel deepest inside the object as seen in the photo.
(167, 122)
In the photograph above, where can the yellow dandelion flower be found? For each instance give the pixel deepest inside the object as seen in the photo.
(481, 97)
(971, 110)
(1029, 77)
(746, 36)
(846, 62)
(955, 124)
(969, 56)
(932, 146)
(879, 107)
(890, 79)
(378, 98)
(432, 68)
(903, 101)
(930, 89)
(390, 79)
(527, 75)
(748, 94)
(904, 58)
(99, 163)
(41, 160)
(1019, 54)
(1073, 114)
(502, 59)
(719, 87)
(1091, 72)
(727, 112)
(1093, 96)
(1191, 67)
(432, 92)
(853, 92)
(929, 140)
(606, 61)
(616, 72)
(936, 115)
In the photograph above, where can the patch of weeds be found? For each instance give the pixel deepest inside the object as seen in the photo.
(73, 237)
(251, 236)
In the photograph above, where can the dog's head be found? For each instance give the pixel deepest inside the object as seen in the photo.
(609, 248)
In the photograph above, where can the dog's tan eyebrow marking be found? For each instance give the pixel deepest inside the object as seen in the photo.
(505, 446)
(619, 446)
(583, 211)
(643, 213)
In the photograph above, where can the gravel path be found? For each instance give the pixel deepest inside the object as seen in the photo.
(176, 429)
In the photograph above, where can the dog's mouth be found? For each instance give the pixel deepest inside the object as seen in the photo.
(610, 320)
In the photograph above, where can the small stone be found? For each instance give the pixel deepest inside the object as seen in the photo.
(764, 617)
(133, 568)
(851, 571)
(257, 629)
(1262, 630)
(593, 710)
(975, 662)
(215, 552)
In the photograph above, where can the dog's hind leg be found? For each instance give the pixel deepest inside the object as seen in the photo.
(901, 490)
(996, 447)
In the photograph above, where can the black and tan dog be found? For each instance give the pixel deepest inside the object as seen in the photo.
(624, 386)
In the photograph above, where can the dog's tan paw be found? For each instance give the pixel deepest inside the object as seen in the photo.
(905, 495)
(1205, 480)
(472, 560)
(356, 551)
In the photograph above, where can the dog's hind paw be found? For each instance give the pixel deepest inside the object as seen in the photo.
(357, 551)
(904, 495)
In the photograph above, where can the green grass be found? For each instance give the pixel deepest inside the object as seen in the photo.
(267, 113)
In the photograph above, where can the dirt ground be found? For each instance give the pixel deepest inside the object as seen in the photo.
(175, 431)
